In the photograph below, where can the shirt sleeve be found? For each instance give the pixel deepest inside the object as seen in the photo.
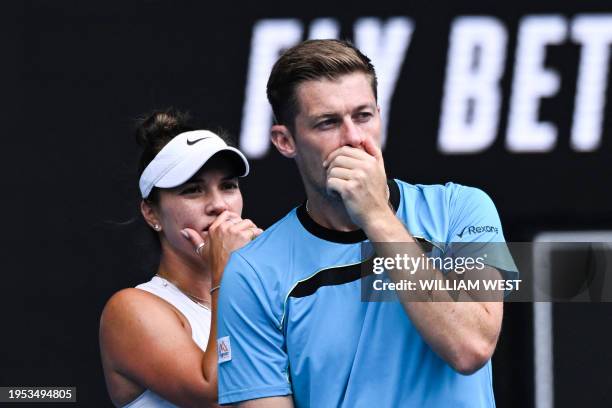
(253, 362)
(475, 230)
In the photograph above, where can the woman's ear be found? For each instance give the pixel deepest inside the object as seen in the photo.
(283, 140)
(150, 215)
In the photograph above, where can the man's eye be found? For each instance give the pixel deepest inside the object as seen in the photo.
(363, 116)
(326, 123)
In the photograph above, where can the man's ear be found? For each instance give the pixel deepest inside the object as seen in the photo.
(283, 140)
(150, 215)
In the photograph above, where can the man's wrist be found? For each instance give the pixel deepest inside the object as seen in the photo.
(385, 227)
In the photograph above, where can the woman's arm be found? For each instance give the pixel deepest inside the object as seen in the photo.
(225, 235)
(143, 339)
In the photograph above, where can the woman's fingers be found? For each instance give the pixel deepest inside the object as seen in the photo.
(225, 216)
(247, 229)
(256, 232)
(227, 233)
(244, 224)
(195, 239)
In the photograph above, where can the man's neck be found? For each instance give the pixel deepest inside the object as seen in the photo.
(329, 213)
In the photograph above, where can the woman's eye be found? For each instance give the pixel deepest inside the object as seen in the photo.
(230, 185)
(190, 190)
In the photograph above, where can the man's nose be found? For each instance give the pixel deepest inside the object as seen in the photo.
(351, 134)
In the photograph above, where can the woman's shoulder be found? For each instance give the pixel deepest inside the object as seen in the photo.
(139, 330)
(133, 309)
(132, 299)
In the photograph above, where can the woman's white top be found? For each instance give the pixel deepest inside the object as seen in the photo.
(199, 320)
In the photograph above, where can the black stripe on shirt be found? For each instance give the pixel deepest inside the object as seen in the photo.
(340, 275)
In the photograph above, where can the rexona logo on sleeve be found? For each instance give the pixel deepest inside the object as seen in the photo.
(472, 229)
(224, 349)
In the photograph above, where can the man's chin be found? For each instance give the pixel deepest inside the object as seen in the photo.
(334, 196)
(328, 195)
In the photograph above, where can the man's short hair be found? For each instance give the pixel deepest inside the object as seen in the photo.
(312, 60)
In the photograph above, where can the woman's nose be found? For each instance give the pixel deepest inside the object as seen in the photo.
(217, 204)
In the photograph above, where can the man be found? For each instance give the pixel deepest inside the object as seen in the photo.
(294, 330)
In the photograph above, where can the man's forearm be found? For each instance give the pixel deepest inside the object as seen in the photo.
(464, 333)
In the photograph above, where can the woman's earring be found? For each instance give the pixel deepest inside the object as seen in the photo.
(157, 227)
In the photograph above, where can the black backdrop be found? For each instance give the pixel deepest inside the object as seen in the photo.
(76, 74)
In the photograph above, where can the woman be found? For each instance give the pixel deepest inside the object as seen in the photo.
(158, 340)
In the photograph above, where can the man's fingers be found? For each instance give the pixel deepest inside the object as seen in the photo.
(347, 151)
(336, 185)
(340, 173)
(345, 162)
(372, 148)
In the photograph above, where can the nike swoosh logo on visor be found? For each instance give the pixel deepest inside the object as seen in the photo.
(192, 142)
